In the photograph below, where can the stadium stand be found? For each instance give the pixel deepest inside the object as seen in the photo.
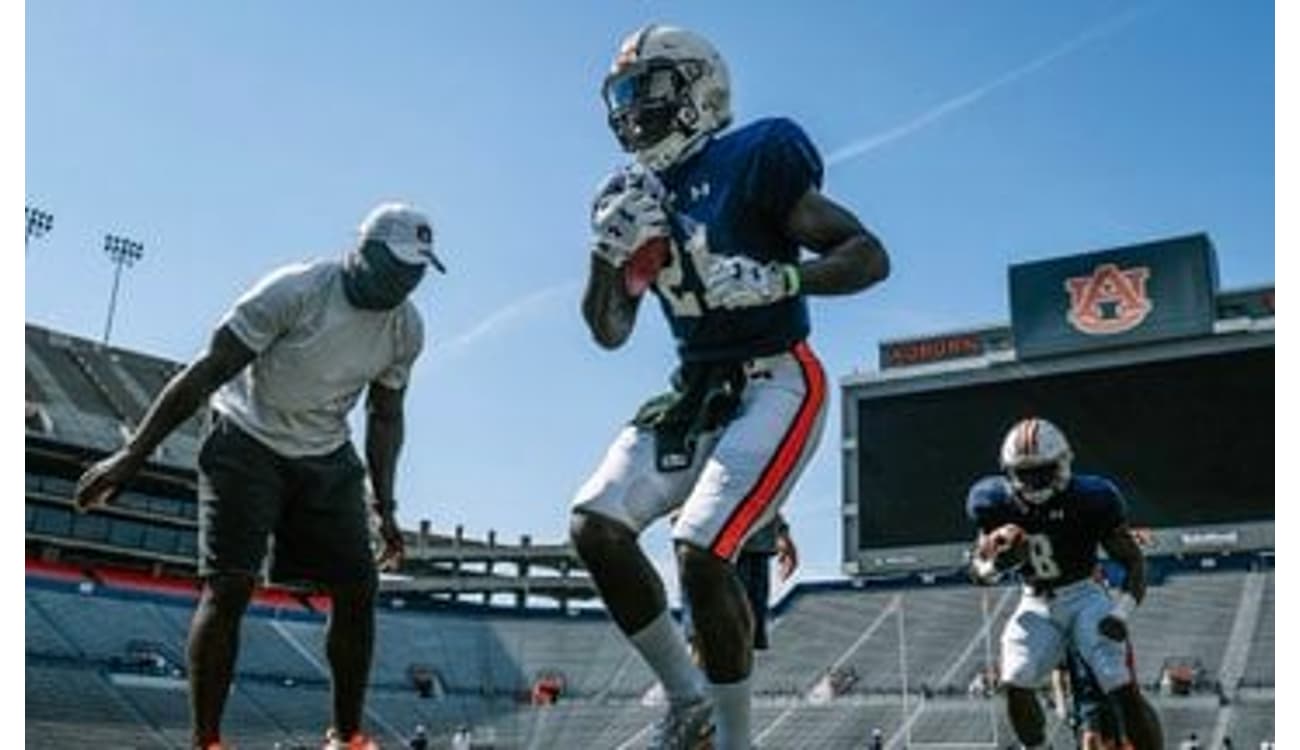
(486, 661)
(1259, 666)
(109, 597)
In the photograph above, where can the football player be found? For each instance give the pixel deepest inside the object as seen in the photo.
(1043, 520)
(714, 222)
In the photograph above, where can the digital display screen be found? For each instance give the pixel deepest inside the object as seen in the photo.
(1188, 441)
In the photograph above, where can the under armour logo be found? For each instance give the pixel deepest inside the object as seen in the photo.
(699, 191)
(1057, 514)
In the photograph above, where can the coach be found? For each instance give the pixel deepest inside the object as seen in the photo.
(283, 369)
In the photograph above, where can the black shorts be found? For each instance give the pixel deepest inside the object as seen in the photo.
(312, 508)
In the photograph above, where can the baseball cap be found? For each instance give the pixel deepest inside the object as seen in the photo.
(406, 231)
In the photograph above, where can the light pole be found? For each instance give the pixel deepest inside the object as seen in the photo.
(121, 252)
(38, 223)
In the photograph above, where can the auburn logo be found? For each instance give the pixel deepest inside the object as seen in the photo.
(1110, 300)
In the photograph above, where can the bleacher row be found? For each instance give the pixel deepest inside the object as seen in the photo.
(485, 663)
(87, 394)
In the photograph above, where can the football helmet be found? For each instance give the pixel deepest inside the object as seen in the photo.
(667, 92)
(1036, 458)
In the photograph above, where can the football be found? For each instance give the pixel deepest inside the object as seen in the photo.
(640, 270)
(1007, 544)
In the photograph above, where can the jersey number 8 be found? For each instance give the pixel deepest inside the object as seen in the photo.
(1040, 557)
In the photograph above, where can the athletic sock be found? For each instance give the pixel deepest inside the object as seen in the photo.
(731, 715)
(662, 646)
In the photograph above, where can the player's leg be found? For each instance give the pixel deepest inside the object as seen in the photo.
(240, 490)
(750, 473)
(323, 539)
(755, 572)
(1110, 663)
(1095, 716)
(212, 649)
(349, 645)
(1032, 646)
(621, 498)
(720, 613)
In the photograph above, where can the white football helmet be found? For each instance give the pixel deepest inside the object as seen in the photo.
(1036, 457)
(667, 92)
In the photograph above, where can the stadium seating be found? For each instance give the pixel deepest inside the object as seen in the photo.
(1188, 616)
(1259, 666)
(487, 661)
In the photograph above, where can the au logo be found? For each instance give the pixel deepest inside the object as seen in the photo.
(1110, 300)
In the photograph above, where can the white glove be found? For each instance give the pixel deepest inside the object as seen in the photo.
(736, 281)
(627, 213)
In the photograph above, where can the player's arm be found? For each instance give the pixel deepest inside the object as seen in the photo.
(608, 308)
(787, 554)
(850, 258)
(627, 217)
(1121, 547)
(385, 430)
(982, 569)
(179, 399)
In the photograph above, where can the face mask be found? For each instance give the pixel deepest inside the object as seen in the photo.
(375, 280)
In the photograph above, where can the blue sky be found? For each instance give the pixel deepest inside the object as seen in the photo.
(231, 138)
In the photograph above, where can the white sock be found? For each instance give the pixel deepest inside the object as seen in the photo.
(731, 715)
(662, 646)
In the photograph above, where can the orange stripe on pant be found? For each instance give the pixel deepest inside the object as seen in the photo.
(783, 461)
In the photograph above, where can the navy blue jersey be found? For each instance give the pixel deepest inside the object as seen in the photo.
(1063, 532)
(733, 198)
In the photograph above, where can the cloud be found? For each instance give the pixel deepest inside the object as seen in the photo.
(870, 143)
(500, 320)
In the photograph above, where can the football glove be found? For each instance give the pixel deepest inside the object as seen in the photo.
(735, 282)
(627, 213)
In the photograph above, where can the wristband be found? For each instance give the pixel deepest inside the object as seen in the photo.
(792, 279)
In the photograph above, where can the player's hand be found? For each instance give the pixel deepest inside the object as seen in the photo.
(104, 480)
(394, 545)
(1007, 538)
(1115, 624)
(628, 212)
(999, 551)
(735, 282)
(787, 556)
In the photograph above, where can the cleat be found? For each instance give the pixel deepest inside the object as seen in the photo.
(358, 741)
(685, 726)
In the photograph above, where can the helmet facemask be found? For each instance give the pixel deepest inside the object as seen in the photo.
(652, 111)
(1036, 483)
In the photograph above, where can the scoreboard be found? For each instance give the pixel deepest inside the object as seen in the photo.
(1184, 426)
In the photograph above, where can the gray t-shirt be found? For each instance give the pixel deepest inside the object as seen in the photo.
(315, 354)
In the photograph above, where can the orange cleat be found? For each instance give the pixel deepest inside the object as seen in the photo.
(358, 741)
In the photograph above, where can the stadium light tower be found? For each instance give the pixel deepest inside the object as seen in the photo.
(121, 252)
(38, 223)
